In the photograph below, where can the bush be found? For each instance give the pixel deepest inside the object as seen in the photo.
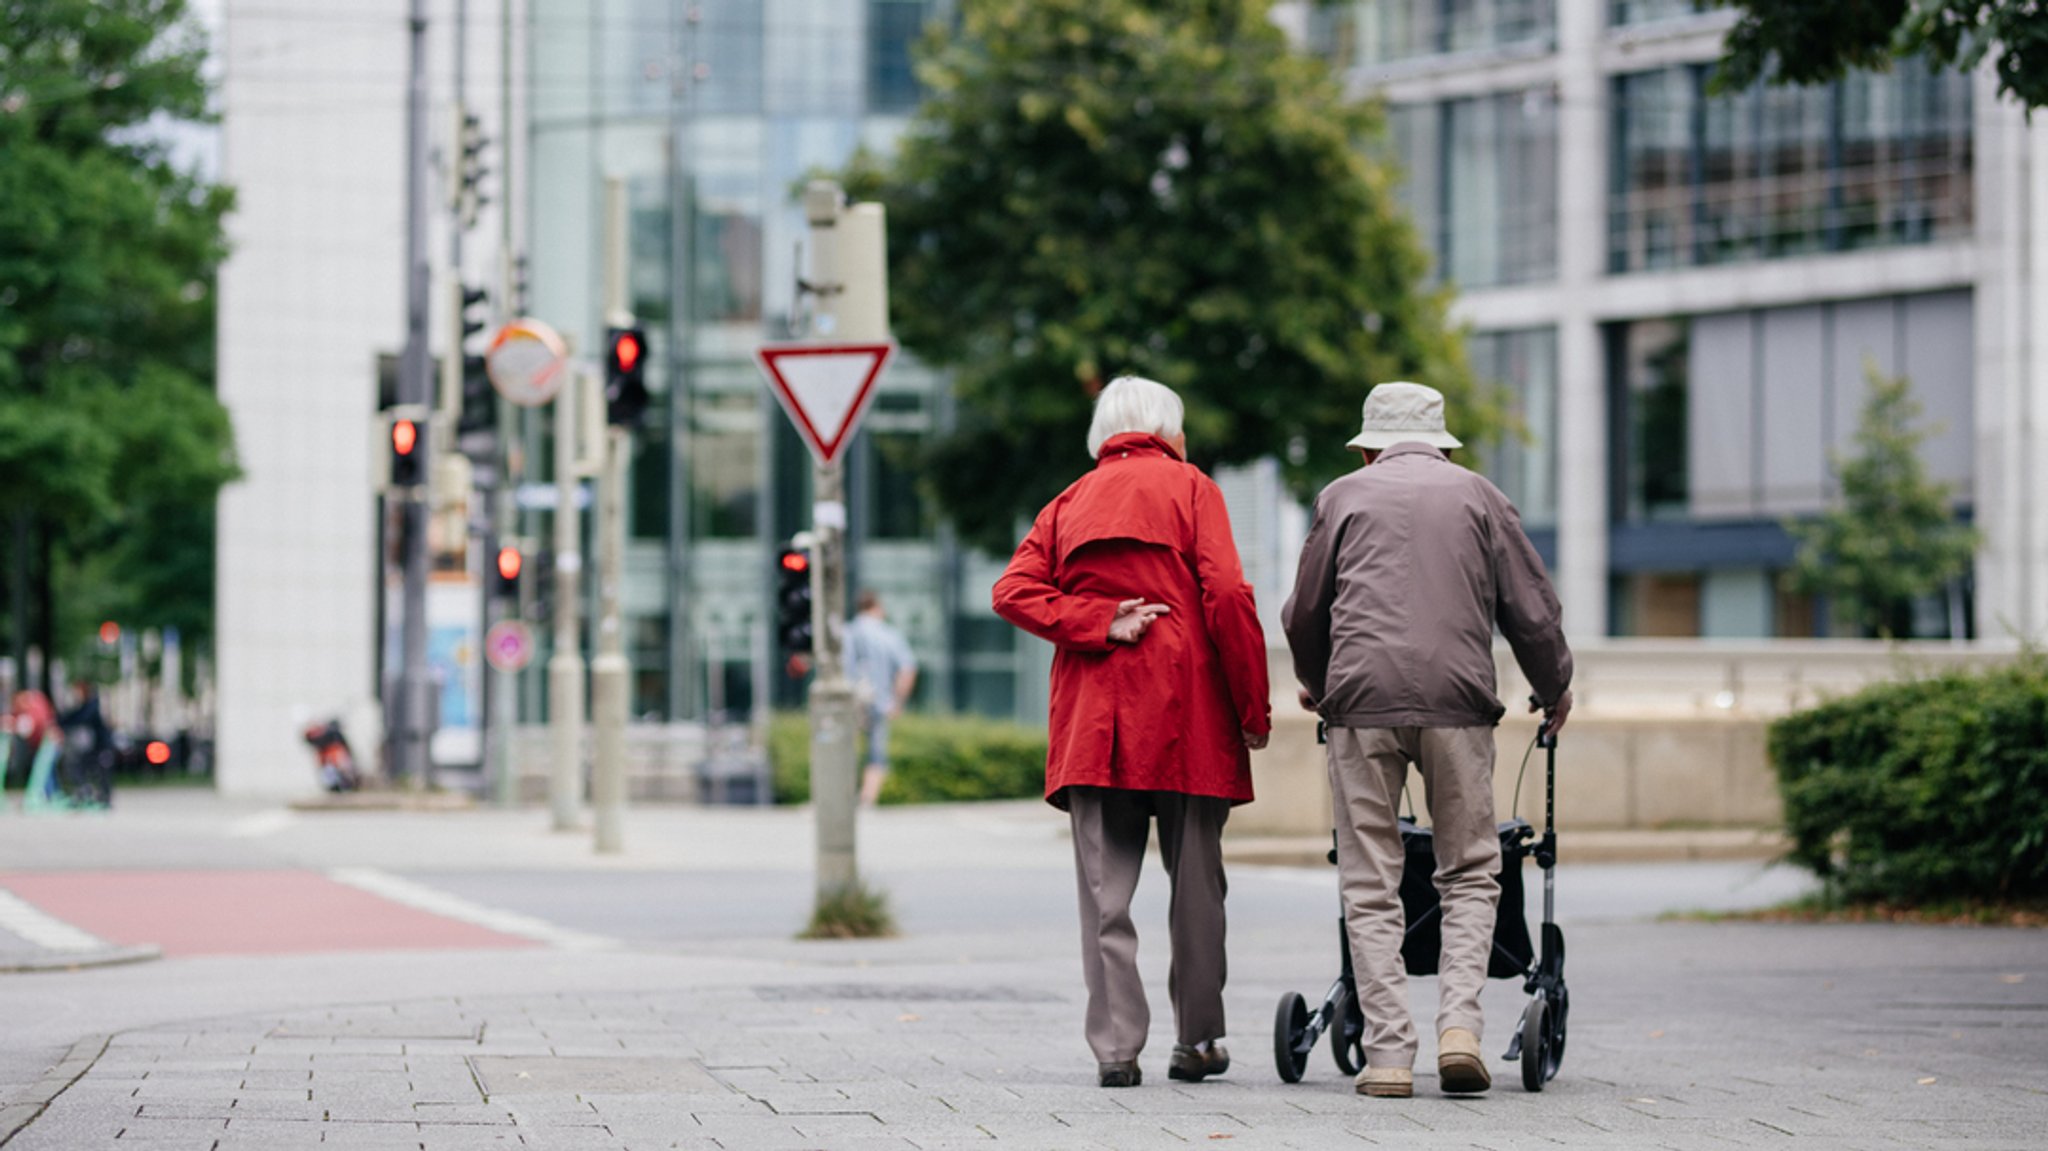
(1932, 790)
(932, 759)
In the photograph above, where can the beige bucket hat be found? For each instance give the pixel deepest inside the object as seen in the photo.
(1403, 413)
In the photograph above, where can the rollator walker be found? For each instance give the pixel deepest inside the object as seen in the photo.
(1538, 1044)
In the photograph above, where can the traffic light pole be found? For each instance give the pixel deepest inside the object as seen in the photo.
(608, 670)
(409, 744)
(565, 666)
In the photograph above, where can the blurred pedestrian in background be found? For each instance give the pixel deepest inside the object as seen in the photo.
(1159, 693)
(1410, 562)
(883, 671)
(90, 767)
(32, 725)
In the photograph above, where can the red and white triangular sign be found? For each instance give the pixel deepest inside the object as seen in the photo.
(824, 388)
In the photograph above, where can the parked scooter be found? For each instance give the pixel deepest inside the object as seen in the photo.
(333, 761)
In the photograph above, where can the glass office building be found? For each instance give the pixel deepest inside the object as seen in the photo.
(1681, 289)
(713, 112)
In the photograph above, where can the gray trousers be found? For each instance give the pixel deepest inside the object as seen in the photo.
(1367, 768)
(1111, 827)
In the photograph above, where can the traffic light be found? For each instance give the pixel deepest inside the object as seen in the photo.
(479, 402)
(408, 453)
(793, 601)
(505, 572)
(469, 195)
(625, 375)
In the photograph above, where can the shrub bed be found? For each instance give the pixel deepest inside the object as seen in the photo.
(1927, 791)
(932, 759)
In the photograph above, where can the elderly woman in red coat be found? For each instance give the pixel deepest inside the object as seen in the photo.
(1159, 695)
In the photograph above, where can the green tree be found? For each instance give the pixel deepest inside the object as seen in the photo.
(1812, 41)
(1894, 538)
(1156, 187)
(112, 444)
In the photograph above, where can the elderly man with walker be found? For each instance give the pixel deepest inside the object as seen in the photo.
(1410, 563)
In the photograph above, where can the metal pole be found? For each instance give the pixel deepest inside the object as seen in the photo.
(833, 782)
(502, 716)
(608, 669)
(565, 666)
(415, 386)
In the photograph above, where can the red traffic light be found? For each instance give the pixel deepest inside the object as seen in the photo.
(110, 633)
(626, 350)
(795, 562)
(405, 436)
(509, 562)
(157, 753)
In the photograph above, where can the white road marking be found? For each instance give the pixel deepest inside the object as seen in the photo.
(424, 898)
(38, 927)
(261, 824)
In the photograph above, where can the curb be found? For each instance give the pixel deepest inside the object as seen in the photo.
(39, 961)
(24, 1109)
(386, 801)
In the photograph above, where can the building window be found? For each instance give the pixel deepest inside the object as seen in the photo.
(1649, 412)
(1872, 160)
(1367, 32)
(725, 465)
(727, 43)
(1524, 463)
(894, 27)
(1481, 185)
(1622, 12)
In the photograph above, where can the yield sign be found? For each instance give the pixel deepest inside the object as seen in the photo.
(824, 388)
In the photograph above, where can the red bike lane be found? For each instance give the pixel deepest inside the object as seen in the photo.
(242, 913)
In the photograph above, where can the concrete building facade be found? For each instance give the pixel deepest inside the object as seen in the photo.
(312, 137)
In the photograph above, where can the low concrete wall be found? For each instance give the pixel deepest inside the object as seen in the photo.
(661, 761)
(1693, 771)
(1663, 733)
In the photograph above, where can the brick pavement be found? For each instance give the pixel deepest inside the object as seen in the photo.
(1685, 1036)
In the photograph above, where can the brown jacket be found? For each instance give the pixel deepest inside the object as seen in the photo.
(1409, 564)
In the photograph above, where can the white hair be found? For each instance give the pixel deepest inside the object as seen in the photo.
(1134, 404)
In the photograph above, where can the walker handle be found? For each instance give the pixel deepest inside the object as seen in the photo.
(1545, 738)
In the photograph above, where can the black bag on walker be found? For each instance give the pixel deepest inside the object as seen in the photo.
(1422, 945)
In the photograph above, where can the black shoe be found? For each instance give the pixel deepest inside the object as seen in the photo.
(1194, 1064)
(1119, 1074)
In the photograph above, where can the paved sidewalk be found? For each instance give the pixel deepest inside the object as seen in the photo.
(1684, 1036)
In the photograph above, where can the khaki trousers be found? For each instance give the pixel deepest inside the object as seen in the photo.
(1367, 768)
(1111, 827)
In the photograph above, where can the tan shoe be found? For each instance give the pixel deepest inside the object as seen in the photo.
(1385, 1082)
(1459, 1065)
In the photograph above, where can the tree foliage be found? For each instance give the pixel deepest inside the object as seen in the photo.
(1155, 187)
(1894, 538)
(1813, 41)
(112, 444)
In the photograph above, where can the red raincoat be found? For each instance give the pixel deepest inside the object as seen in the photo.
(1168, 713)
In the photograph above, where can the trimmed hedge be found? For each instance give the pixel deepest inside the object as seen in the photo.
(1926, 791)
(932, 759)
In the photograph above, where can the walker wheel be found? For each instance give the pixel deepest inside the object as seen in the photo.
(1290, 1026)
(1560, 1011)
(1536, 1048)
(1347, 1036)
